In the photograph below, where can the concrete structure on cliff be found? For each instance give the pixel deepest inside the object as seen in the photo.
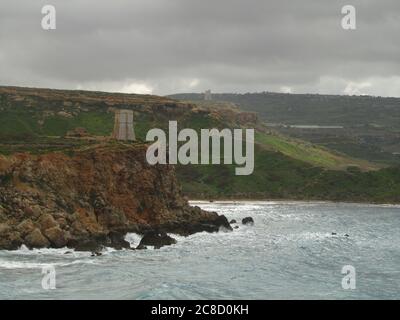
(123, 125)
(208, 95)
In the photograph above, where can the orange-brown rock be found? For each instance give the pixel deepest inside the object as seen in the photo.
(92, 198)
(35, 239)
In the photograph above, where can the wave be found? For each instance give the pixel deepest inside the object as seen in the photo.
(4, 264)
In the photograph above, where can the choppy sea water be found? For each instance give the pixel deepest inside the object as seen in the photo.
(290, 253)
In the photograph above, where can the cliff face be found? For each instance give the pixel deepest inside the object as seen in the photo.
(92, 198)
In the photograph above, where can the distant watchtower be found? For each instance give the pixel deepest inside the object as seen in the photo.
(123, 125)
(207, 95)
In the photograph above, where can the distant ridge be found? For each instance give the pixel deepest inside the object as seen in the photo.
(309, 109)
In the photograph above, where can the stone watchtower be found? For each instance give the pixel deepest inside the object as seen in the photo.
(207, 95)
(123, 125)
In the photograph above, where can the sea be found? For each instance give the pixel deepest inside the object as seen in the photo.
(294, 250)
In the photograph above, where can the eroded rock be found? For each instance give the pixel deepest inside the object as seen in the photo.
(46, 221)
(36, 239)
(92, 199)
(57, 237)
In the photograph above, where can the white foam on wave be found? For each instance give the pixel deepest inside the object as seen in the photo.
(306, 237)
(258, 202)
(64, 252)
(23, 250)
(12, 259)
(133, 239)
(5, 264)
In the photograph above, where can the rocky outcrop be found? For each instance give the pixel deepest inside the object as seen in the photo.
(248, 221)
(156, 239)
(92, 199)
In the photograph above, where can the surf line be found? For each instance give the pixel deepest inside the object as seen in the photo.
(190, 153)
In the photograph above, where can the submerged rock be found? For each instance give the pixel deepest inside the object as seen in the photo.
(223, 222)
(117, 240)
(248, 220)
(86, 245)
(96, 254)
(156, 239)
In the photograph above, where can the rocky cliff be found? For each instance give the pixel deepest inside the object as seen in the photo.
(92, 198)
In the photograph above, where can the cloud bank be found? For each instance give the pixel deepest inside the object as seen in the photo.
(171, 46)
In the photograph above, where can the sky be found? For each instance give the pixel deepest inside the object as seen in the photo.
(175, 46)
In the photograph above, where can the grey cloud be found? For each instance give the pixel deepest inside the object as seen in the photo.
(190, 45)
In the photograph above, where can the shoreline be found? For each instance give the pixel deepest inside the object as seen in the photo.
(286, 201)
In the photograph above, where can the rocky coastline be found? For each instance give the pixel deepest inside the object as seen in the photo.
(92, 198)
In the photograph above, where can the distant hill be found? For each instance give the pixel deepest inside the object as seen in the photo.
(37, 121)
(312, 108)
(370, 125)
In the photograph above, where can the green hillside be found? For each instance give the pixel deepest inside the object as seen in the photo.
(306, 109)
(279, 177)
(360, 126)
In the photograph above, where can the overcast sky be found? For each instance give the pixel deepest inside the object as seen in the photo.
(171, 46)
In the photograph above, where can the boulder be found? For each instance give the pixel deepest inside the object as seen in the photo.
(25, 227)
(117, 240)
(57, 237)
(222, 221)
(85, 245)
(46, 221)
(29, 212)
(248, 221)
(156, 239)
(36, 239)
(10, 240)
(35, 211)
(233, 221)
(4, 227)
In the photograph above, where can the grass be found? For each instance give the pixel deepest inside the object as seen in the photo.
(309, 153)
(277, 176)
